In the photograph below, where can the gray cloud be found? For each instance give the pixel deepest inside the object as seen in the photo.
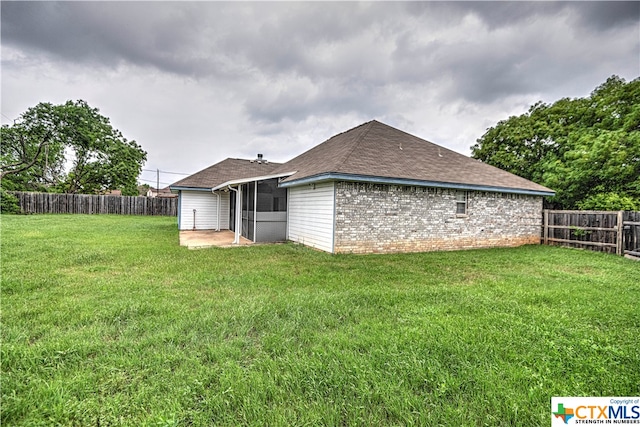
(604, 16)
(109, 34)
(297, 101)
(600, 16)
(273, 70)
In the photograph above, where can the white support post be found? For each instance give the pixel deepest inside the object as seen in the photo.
(238, 218)
(255, 210)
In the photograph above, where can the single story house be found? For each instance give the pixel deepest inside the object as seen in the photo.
(371, 189)
(163, 193)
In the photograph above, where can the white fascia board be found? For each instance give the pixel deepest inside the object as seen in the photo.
(252, 179)
(178, 188)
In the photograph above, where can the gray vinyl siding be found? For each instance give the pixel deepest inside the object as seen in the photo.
(311, 215)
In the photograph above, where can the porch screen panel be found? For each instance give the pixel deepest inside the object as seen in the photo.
(248, 195)
(270, 197)
(271, 212)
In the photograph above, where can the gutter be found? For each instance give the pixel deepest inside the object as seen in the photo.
(176, 189)
(333, 176)
(251, 179)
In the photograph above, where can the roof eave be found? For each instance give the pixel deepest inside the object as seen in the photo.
(332, 176)
(175, 189)
(251, 179)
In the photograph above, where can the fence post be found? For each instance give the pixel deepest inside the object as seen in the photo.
(546, 226)
(619, 242)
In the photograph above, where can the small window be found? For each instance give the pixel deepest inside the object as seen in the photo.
(461, 203)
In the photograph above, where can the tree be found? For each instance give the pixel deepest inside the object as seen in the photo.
(586, 149)
(30, 151)
(18, 153)
(68, 148)
(143, 189)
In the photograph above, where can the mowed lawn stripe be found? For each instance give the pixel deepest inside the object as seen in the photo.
(107, 321)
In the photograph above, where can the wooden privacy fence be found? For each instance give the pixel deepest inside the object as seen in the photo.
(631, 234)
(605, 231)
(53, 203)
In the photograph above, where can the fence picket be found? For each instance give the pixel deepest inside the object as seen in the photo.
(606, 231)
(54, 203)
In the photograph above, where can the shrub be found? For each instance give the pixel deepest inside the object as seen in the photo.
(610, 202)
(8, 202)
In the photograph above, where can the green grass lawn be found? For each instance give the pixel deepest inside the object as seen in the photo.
(107, 321)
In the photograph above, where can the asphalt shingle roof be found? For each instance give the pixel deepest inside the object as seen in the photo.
(226, 170)
(375, 149)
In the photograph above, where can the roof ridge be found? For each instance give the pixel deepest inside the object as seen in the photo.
(425, 140)
(356, 143)
(349, 130)
(253, 160)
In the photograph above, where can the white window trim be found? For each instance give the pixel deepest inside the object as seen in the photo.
(465, 214)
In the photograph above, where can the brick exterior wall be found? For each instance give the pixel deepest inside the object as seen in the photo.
(376, 218)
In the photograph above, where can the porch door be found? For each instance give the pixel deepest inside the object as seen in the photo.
(232, 210)
(248, 209)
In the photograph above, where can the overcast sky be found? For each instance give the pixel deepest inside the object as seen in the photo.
(197, 82)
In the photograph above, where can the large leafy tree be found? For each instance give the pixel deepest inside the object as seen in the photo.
(31, 154)
(586, 149)
(68, 148)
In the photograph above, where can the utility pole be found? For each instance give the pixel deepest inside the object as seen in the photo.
(157, 182)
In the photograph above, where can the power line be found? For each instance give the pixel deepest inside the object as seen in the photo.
(157, 180)
(161, 171)
(176, 173)
(153, 181)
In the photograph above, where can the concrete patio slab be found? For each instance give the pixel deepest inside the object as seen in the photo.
(209, 238)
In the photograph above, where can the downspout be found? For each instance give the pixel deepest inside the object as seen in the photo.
(236, 239)
(218, 216)
(179, 208)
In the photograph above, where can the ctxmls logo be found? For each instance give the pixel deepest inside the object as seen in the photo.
(565, 413)
(594, 410)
